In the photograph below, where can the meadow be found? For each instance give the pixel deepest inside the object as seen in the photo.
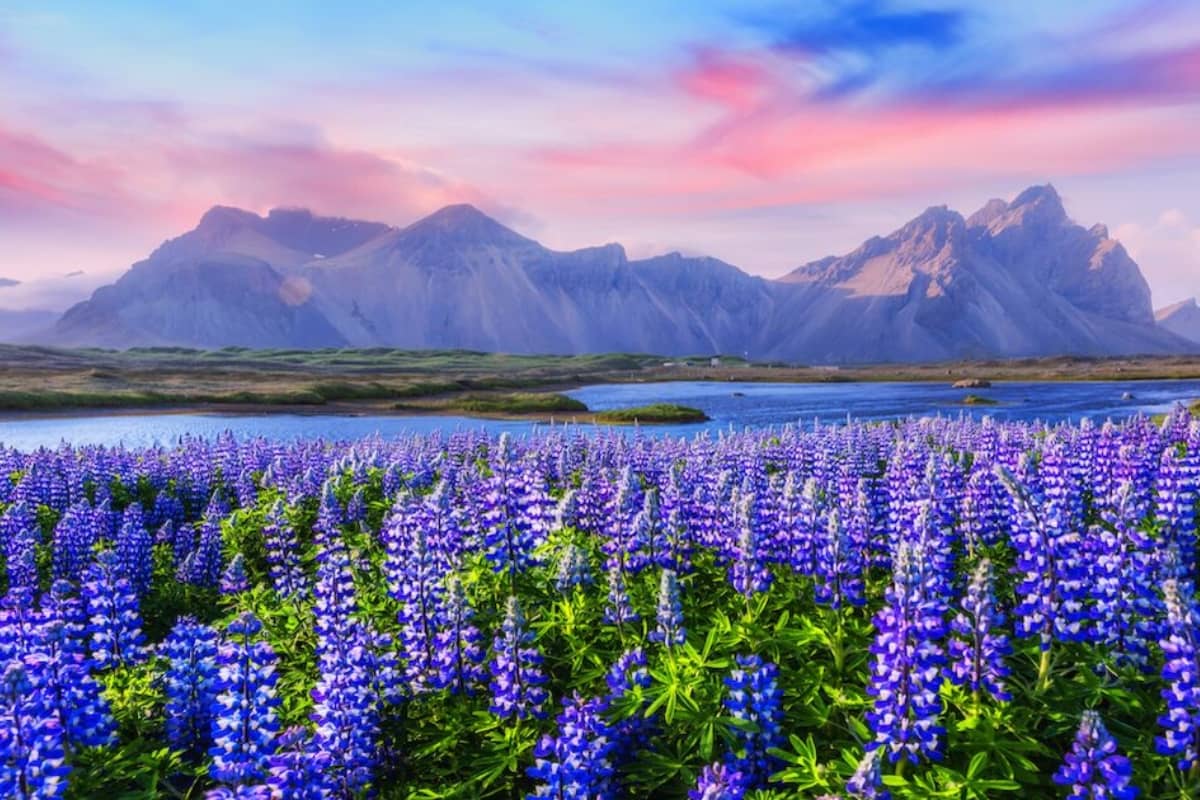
(936, 608)
(387, 380)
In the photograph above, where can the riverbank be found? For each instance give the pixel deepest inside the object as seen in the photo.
(50, 381)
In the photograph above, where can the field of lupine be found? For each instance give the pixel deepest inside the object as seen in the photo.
(935, 608)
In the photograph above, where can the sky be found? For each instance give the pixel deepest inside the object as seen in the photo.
(767, 134)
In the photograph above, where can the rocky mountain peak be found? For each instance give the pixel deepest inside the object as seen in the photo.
(1038, 204)
(463, 224)
(991, 210)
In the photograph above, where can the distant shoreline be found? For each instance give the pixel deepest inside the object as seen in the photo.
(47, 382)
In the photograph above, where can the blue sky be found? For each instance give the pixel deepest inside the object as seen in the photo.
(766, 134)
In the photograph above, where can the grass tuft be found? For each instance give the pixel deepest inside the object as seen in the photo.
(654, 413)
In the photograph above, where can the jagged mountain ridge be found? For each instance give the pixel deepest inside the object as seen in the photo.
(1011, 280)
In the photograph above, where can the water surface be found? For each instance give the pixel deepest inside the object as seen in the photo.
(730, 405)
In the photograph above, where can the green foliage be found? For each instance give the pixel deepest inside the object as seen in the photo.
(656, 412)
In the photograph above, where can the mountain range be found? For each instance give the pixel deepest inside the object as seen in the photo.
(1012, 279)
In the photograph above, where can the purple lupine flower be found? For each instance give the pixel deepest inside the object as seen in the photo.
(234, 579)
(867, 781)
(114, 624)
(135, 550)
(459, 649)
(204, 564)
(516, 511)
(839, 566)
(907, 662)
(1181, 674)
(1049, 563)
(283, 553)
(190, 684)
(628, 676)
(748, 574)
(296, 771)
(669, 629)
(245, 713)
(74, 537)
(575, 764)
(1093, 767)
(628, 672)
(415, 571)
(573, 570)
(978, 645)
(516, 669)
(32, 756)
(1175, 495)
(345, 701)
(330, 516)
(718, 782)
(619, 610)
(753, 696)
(58, 669)
(20, 533)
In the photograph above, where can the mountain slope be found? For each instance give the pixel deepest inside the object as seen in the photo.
(1182, 319)
(224, 283)
(1012, 279)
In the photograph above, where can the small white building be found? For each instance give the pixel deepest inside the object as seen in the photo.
(715, 361)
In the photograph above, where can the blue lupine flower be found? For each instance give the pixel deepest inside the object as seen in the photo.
(257, 791)
(748, 574)
(575, 764)
(632, 733)
(1052, 571)
(134, 550)
(74, 537)
(298, 771)
(670, 629)
(627, 672)
(718, 782)
(415, 572)
(19, 529)
(345, 701)
(459, 645)
(1093, 768)
(330, 516)
(283, 553)
(978, 645)
(1181, 673)
(190, 684)
(753, 696)
(204, 565)
(573, 570)
(32, 758)
(618, 611)
(1175, 501)
(839, 566)
(906, 674)
(867, 780)
(516, 511)
(234, 580)
(245, 715)
(58, 669)
(516, 669)
(114, 625)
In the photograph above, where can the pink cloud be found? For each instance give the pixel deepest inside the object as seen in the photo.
(727, 79)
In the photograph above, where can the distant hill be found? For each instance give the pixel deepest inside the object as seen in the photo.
(1182, 319)
(21, 325)
(1011, 280)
